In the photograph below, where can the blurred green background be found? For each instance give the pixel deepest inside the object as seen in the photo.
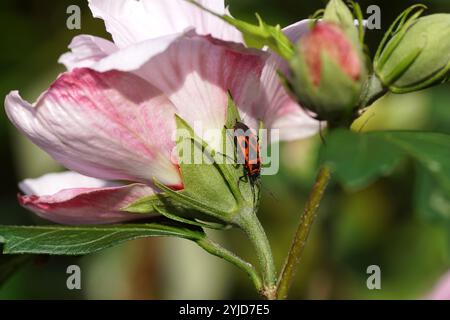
(392, 223)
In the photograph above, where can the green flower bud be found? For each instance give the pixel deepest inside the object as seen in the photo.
(417, 56)
(328, 72)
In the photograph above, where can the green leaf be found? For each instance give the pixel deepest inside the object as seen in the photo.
(65, 240)
(359, 159)
(432, 202)
(431, 150)
(258, 36)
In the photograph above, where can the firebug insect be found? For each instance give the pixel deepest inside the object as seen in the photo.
(248, 150)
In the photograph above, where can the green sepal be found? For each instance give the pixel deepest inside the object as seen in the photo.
(233, 115)
(417, 56)
(338, 13)
(337, 94)
(188, 202)
(402, 67)
(440, 76)
(398, 27)
(148, 204)
(373, 89)
(191, 220)
(165, 205)
(216, 181)
(360, 17)
(317, 15)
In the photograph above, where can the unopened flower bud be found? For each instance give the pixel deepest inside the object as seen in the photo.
(328, 72)
(417, 56)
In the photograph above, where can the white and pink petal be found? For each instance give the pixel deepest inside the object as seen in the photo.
(85, 51)
(112, 126)
(135, 55)
(441, 291)
(196, 73)
(279, 110)
(55, 197)
(294, 32)
(130, 22)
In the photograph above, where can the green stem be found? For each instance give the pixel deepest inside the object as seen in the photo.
(301, 236)
(217, 250)
(250, 224)
(373, 90)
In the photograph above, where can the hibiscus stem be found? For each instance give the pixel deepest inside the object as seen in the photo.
(250, 224)
(216, 249)
(298, 244)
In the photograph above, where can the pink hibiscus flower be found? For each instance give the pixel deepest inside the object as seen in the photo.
(110, 117)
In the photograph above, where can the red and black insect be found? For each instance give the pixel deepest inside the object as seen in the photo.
(248, 151)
